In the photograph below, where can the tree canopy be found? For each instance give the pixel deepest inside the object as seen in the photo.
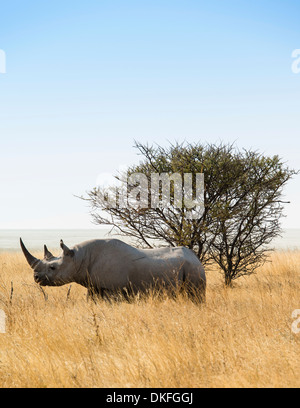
(241, 198)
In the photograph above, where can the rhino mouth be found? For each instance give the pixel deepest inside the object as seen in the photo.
(45, 281)
(41, 281)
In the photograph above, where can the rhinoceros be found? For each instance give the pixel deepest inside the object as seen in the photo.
(109, 266)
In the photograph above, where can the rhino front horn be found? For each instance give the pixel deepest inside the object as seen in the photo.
(30, 258)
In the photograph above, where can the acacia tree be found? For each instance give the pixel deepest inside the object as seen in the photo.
(242, 204)
(247, 217)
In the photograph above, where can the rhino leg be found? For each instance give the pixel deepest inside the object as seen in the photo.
(196, 293)
(95, 293)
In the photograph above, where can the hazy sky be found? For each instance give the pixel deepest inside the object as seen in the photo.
(86, 78)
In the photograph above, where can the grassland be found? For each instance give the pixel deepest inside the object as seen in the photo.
(241, 337)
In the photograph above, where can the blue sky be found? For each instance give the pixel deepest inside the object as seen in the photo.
(85, 79)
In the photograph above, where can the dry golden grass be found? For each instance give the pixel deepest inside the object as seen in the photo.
(241, 337)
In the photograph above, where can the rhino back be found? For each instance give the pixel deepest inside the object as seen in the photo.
(116, 264)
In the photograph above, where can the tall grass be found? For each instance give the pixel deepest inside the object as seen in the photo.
(241, 336)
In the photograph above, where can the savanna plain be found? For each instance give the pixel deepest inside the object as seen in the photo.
(241, 336)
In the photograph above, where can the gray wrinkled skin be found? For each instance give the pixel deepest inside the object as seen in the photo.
(107, 266)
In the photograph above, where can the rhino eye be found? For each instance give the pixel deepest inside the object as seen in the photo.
(52, 267)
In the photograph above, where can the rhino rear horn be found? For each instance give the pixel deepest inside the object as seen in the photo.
(66, 250)
(30, 258)
(47, 254)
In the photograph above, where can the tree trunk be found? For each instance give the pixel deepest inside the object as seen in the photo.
(228, 280)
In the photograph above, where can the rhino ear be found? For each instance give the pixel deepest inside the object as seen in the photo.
(47, 254)
(66, 250)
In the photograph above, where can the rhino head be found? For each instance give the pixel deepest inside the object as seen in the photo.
(51, 271)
